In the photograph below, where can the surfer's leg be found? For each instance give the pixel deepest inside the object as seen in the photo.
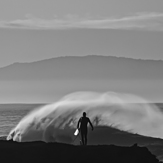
(85, 137)
(82, 138)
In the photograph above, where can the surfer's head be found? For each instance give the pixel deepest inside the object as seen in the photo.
(84, 114)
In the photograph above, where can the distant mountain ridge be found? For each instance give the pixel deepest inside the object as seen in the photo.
(84, 67)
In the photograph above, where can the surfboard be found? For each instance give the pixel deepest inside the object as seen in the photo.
(76, 132)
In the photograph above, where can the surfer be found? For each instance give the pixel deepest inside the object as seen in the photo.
(82, 126)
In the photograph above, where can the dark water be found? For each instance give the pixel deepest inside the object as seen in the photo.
(11, 114)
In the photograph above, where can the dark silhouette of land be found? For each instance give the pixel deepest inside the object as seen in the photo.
(56, 152)
(73, 73)
(114, 146)
(95, 67)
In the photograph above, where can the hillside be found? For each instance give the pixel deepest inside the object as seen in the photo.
(56, 152)
(86, 67)
(111, 136)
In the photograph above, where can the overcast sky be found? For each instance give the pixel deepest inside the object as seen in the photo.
(32, 30)
(47, 9)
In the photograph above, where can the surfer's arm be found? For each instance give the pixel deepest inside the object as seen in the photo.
(78, 123)
(90, 124)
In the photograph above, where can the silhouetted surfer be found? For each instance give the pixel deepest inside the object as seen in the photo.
(83, 122)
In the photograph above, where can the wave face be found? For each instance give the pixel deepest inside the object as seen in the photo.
(57, 122)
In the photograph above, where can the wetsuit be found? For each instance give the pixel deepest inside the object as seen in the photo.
(83, 128)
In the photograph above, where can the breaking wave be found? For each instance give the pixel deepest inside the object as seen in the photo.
(57, 122)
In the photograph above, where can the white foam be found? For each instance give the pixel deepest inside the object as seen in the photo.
(58, 121)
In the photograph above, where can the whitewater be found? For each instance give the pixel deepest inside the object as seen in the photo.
(57, 122)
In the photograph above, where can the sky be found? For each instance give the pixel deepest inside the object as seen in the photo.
(33, 30)
(39, 29)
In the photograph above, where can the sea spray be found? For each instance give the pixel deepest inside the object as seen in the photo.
(57, 122)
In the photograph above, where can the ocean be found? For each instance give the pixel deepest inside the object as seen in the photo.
(11, 114)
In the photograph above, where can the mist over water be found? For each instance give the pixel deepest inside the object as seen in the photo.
(57, 122)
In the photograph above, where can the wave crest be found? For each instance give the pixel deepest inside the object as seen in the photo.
(57, 122)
